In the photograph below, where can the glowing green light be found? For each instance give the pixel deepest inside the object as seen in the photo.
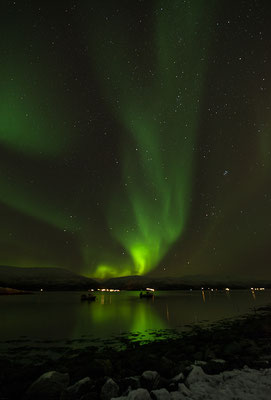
(160, 116)
(30, 120)
(110, 311)
(144, 319)
(31, 126)
(106, 271)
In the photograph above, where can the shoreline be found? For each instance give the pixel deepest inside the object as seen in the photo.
(221, 346)
(4, 290)
(7, 291)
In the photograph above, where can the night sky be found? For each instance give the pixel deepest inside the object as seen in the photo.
(135, 137)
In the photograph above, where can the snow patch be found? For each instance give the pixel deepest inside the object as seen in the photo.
(245, 384)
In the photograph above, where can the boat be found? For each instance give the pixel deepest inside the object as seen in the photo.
(89, 297)
(149, 294)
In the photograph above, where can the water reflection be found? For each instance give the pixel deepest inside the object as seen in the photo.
(145, 317)
(167, 313)
(115, 315)
(58, 316)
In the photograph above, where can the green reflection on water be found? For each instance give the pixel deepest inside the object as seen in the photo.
(113, 315)
(145, 319)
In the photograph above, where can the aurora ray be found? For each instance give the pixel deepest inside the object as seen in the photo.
(160, 119)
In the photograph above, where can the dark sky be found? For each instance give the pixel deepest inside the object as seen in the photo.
(135, 137)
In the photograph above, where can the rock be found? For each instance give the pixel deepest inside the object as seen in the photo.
(184, 390)
(160, 394)
(261, 364)
(77, 390)
(50, 385)
(110, 389)
(139, 394)
(178, 378)
(187, 370)
(218, 361)
(132, 381)
(200, 363)
(195, 375)
(214, 366)
(150, 380)
(150, 375)
(172, 387)
(236, 384)
(120, 398)
(177, 396)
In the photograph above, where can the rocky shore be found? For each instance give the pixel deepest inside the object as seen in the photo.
(232, 356)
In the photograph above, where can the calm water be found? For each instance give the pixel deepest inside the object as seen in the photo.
(60, 316)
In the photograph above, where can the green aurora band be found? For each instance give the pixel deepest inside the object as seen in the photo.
(30, 134)
(158, 106)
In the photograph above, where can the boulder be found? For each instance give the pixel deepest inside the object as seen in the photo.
(150, 380)
(77, 390)
(109, 390)
(120, 398)
(139, 394)
(177, 396)
(187, 370)
(160, 394)
(195, 375)
(50, 385)
(218, 361)
(178, 378)
(184, 390)
(260, 364)
(215, 366)
(200, 363)
(132, 381)
(172, 387)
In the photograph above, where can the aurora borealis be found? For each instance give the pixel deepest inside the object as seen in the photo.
(135, 138)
